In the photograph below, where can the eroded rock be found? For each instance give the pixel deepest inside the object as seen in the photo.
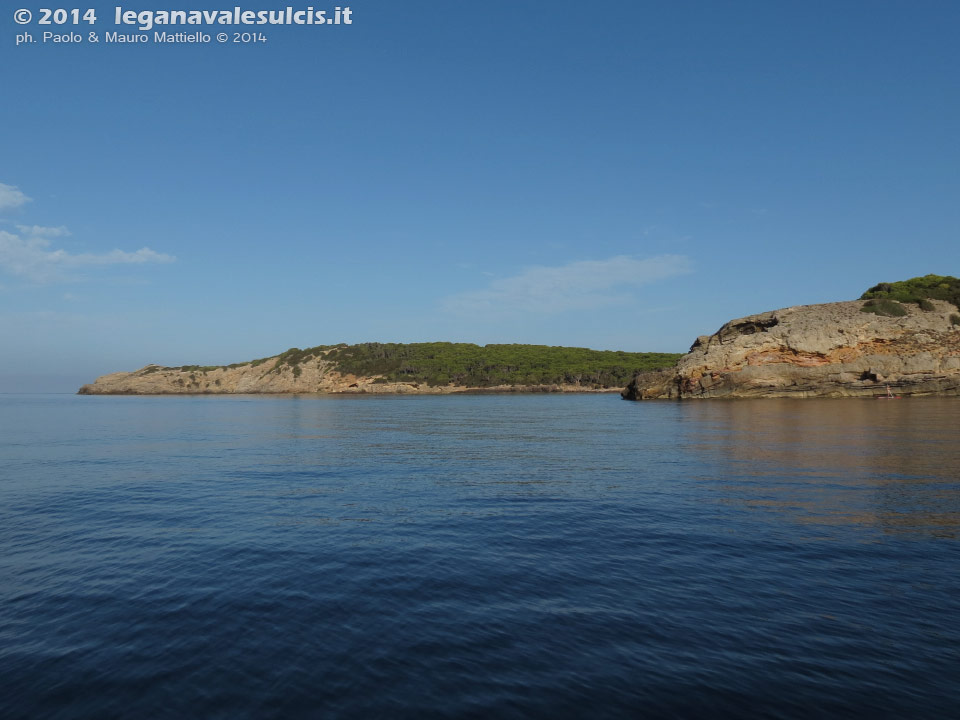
(830, 350)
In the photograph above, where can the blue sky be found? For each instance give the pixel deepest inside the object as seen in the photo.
(624, 175)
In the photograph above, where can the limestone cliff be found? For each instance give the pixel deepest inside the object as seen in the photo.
(265, 376)
(313, 374)
(830, 350)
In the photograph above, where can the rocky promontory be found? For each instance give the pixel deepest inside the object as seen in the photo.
(831, 350)
(420, 368)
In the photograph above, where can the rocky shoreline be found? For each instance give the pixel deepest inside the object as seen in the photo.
(829, 350)
(273, 377)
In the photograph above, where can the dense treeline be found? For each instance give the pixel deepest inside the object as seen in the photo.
(466, 364)
(888, 298)
(471, 365)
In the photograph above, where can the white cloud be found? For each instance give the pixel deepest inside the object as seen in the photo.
(11, 197)
(31, 257)
(579, 285)
(115, 257)
(40, 231)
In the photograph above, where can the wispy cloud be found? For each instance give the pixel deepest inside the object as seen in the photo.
(29, 254)
(11, 197)
(34, 259)
(40, 231)
(582, 285)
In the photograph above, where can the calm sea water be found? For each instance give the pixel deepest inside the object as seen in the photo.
(478, 556)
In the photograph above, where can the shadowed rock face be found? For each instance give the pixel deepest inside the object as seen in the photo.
(831, 350)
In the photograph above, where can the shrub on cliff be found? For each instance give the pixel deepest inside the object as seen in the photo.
(917, 290)
(295, 356)
(885, 307)
(955, 319)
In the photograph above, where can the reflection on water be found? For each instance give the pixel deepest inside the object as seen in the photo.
(895, 465)
(477, 556)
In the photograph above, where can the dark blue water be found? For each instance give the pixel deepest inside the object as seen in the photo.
(478, 556)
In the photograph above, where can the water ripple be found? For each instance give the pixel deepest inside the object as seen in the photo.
(477, 556)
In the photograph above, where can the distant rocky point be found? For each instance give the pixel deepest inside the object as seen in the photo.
(424, 368)
(904, 336)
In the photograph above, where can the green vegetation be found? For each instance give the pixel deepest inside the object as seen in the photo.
(295, 356)
(918, 290)
(955, 319)
(471, 365)
(464, 364)
(885, 307)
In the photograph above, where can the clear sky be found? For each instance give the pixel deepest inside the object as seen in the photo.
(619, 175)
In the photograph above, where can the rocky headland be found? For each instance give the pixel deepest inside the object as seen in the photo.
(393, 368)
(273, 378)
(267, 376)
(831, 350)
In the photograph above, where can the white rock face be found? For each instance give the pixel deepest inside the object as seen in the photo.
(830, 350)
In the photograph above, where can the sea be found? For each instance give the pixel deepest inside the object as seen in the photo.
(478, 556)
